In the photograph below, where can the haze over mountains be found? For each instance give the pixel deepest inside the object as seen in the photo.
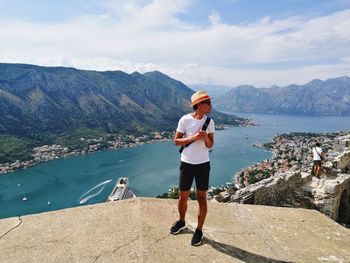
(324, 98)
(36, 99)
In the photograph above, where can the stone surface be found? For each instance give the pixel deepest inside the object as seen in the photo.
(330, 195)
(137, 230)
(342, 162)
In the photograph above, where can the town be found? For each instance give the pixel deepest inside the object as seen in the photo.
(50, 152)
(291, 152)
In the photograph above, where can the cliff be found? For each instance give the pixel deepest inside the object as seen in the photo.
(137, 230)
(329, 194)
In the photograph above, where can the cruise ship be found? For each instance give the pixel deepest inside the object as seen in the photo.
(121, 190)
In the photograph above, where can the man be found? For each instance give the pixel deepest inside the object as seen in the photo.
(317, 157)
(195, 162)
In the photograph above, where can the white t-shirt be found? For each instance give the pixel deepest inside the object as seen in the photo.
(197, 152)
(316, 155)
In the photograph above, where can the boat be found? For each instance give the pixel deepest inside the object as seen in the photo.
(121, 190)
(48, 202)
(24, 198)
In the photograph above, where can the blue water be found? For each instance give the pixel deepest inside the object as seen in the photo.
(151, 168)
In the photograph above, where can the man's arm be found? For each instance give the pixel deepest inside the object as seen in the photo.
(179, 140)
(208, 138)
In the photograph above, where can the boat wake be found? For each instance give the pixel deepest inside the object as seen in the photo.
(87, 195)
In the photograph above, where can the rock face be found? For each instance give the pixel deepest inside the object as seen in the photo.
(279, 190)
(342, 162)
(137, 230)
(330, 196)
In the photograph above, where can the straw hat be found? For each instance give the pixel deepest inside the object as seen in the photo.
(199, 96)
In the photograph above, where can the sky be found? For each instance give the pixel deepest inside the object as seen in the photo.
(212, 42)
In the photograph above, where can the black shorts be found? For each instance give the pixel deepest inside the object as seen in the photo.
(200, 172)
(317, 162)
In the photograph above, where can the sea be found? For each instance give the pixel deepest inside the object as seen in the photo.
(151, 168)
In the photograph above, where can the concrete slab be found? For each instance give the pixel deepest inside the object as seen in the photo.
(137, 230)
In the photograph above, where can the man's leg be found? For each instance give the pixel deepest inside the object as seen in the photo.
(182, 207)
(202, 182)
(314, 169)
(186, 179)
(202, 211)
(182, 204)
(318, 170)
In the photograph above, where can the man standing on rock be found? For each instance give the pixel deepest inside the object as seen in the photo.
(317, 157)
(196, 136)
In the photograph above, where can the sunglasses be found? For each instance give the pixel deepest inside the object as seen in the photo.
(208, 102)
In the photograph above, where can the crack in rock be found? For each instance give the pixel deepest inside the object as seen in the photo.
(115, 250)
(18, 247)
(158, 240)
(19, 223)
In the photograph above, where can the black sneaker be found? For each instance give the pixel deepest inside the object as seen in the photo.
(197, 237)
(177, 227)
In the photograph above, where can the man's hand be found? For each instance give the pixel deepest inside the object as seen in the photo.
(203, 134)
(197, 136)
(208, 138)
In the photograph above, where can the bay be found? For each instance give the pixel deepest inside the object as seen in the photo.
(151, 168)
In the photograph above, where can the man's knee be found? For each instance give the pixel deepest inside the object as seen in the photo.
(202, 196)
(183, 196)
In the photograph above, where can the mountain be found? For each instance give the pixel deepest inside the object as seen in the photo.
(215, 91)
(56, 100)
(324, 98)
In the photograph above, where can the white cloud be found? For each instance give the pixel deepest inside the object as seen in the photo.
(143, 36)
(157, 14)
(214, 18)
(345, 59)
(261, 78)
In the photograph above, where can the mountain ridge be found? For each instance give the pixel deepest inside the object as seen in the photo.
(330, 97)
(58, 105)
(58, 99)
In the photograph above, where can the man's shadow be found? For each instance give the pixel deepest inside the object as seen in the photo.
(235, 252)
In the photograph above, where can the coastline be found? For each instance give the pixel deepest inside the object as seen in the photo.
(46, 153)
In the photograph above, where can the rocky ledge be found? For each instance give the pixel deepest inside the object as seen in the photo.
(137, 230)
(293, 185)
